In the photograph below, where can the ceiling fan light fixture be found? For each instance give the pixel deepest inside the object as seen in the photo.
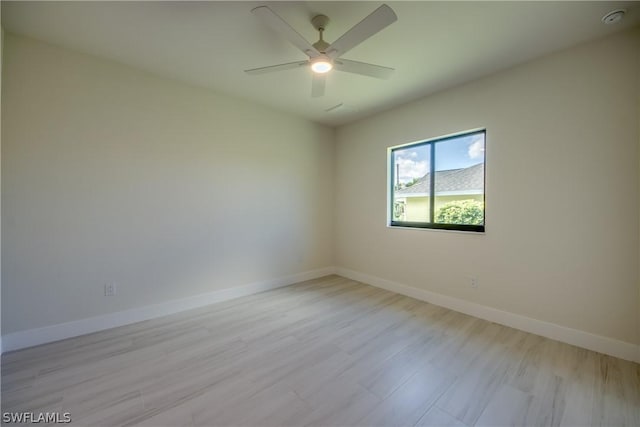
(321, 64)
(323, 56)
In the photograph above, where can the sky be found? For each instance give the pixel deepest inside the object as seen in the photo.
(453, 153)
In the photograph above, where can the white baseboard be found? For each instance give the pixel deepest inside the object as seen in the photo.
(32, 337)
(601, 344)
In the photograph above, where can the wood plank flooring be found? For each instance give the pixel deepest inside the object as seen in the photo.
(327, 352)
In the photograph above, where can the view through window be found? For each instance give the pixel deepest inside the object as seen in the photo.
(439, 183)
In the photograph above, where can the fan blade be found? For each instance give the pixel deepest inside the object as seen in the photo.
(363, 68)
(317, 85)
(281, 26)
(376, 21)
(281, 67)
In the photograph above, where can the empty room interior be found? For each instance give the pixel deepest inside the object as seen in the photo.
(344, 213)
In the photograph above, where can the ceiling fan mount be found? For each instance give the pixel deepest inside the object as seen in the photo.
(323, 56)
(320, 22)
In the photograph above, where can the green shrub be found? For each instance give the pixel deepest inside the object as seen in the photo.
(461, 212)
(398, 211)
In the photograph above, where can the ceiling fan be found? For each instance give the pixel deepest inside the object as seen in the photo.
(323, 57)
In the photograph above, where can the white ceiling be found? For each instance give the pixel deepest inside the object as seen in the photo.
(432, 46)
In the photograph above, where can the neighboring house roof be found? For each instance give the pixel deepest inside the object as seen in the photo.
(448, 182)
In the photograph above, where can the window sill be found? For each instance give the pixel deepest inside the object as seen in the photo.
(472, 232)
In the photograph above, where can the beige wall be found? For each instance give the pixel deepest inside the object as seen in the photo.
(1, 53)
(417, 209)
(562, 237)
(113, 174)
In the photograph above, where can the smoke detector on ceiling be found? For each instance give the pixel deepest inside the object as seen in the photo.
(614, 16)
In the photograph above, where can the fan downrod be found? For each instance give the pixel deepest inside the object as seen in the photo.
(320, 22)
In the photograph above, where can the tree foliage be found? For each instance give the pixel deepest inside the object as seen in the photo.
(461, 212)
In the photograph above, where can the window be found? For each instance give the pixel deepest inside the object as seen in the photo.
(454, 198)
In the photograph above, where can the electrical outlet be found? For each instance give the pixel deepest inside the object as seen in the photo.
(109, 289)
(474, 283)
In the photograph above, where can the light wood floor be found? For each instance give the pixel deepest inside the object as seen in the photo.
(325, 352)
